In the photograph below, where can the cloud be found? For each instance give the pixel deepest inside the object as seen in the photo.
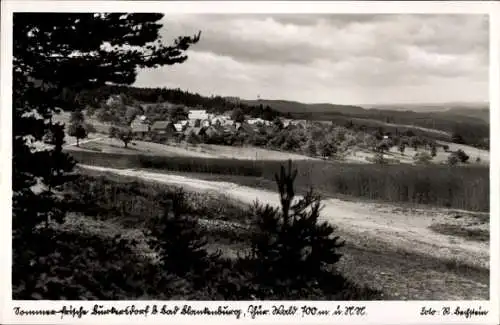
(362, 57)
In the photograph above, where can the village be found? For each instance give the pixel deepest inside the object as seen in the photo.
(200, 122)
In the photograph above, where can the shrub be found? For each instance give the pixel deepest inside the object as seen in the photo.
(402, 147)
(422, 158)
(83, 266)
(452, 159)
(291, 249)
(178, 240)
(433, 151)
(378, 158)
(462, 156)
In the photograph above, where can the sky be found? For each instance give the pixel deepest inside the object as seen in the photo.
(342, 59)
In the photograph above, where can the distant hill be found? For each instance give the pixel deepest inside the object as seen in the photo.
(468, 120)
(475, 110)
(285, 106)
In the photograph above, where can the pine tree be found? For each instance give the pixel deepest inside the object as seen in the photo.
(291, 249)
(44, 64)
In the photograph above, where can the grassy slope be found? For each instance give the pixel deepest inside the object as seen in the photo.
(458, 187)
(399, 275)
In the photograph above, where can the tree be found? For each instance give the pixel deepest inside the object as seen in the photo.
(378, 158)
(124, 134)
(51, 52)
(78, 131)
(452, 159)
(402, 147)
(457, 138)
(433, 150)
(369, 141)
(291, 249)
(278, 124)
(327, 149)
(78, 128)
(462, 156)
(237, 115)
(413, 142)
(384, 145)
(311, 148)
(422, 158)
(177, 113)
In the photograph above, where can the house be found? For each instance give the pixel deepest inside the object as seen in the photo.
(163, 127)
(113, 99)
(199, 114)
(140, 125)
(255, 121)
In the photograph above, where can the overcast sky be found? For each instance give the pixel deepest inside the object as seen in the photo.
(343, 59)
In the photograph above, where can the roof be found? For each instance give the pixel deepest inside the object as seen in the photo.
(140, 128)
(195, 130)
(160, 125)
(246, 128)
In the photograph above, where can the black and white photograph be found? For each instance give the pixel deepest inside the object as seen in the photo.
(191, 156)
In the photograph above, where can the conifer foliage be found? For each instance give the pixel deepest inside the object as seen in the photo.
(56, 54)
(291, 249)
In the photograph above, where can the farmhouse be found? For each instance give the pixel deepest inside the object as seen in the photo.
(140, 125)
(255, 121)
(163, 127)
(200, 114)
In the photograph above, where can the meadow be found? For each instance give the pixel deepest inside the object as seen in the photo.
(458, 187)
(109, 224)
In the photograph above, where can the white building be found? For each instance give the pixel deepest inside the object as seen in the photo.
(198, 114)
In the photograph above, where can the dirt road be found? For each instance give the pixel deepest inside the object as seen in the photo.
(373, 229)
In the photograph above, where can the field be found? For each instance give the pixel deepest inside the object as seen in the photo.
(109, 145)
(393, 251)
(457, 187)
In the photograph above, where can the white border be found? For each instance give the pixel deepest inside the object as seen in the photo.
(388, 312)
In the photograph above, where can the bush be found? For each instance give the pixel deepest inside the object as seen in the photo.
(422, 158)
(452, 159)
(462, 156)
(177, 239)
(58, 265)
(290, 249)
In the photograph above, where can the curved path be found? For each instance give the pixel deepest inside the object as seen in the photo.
(373, 230)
